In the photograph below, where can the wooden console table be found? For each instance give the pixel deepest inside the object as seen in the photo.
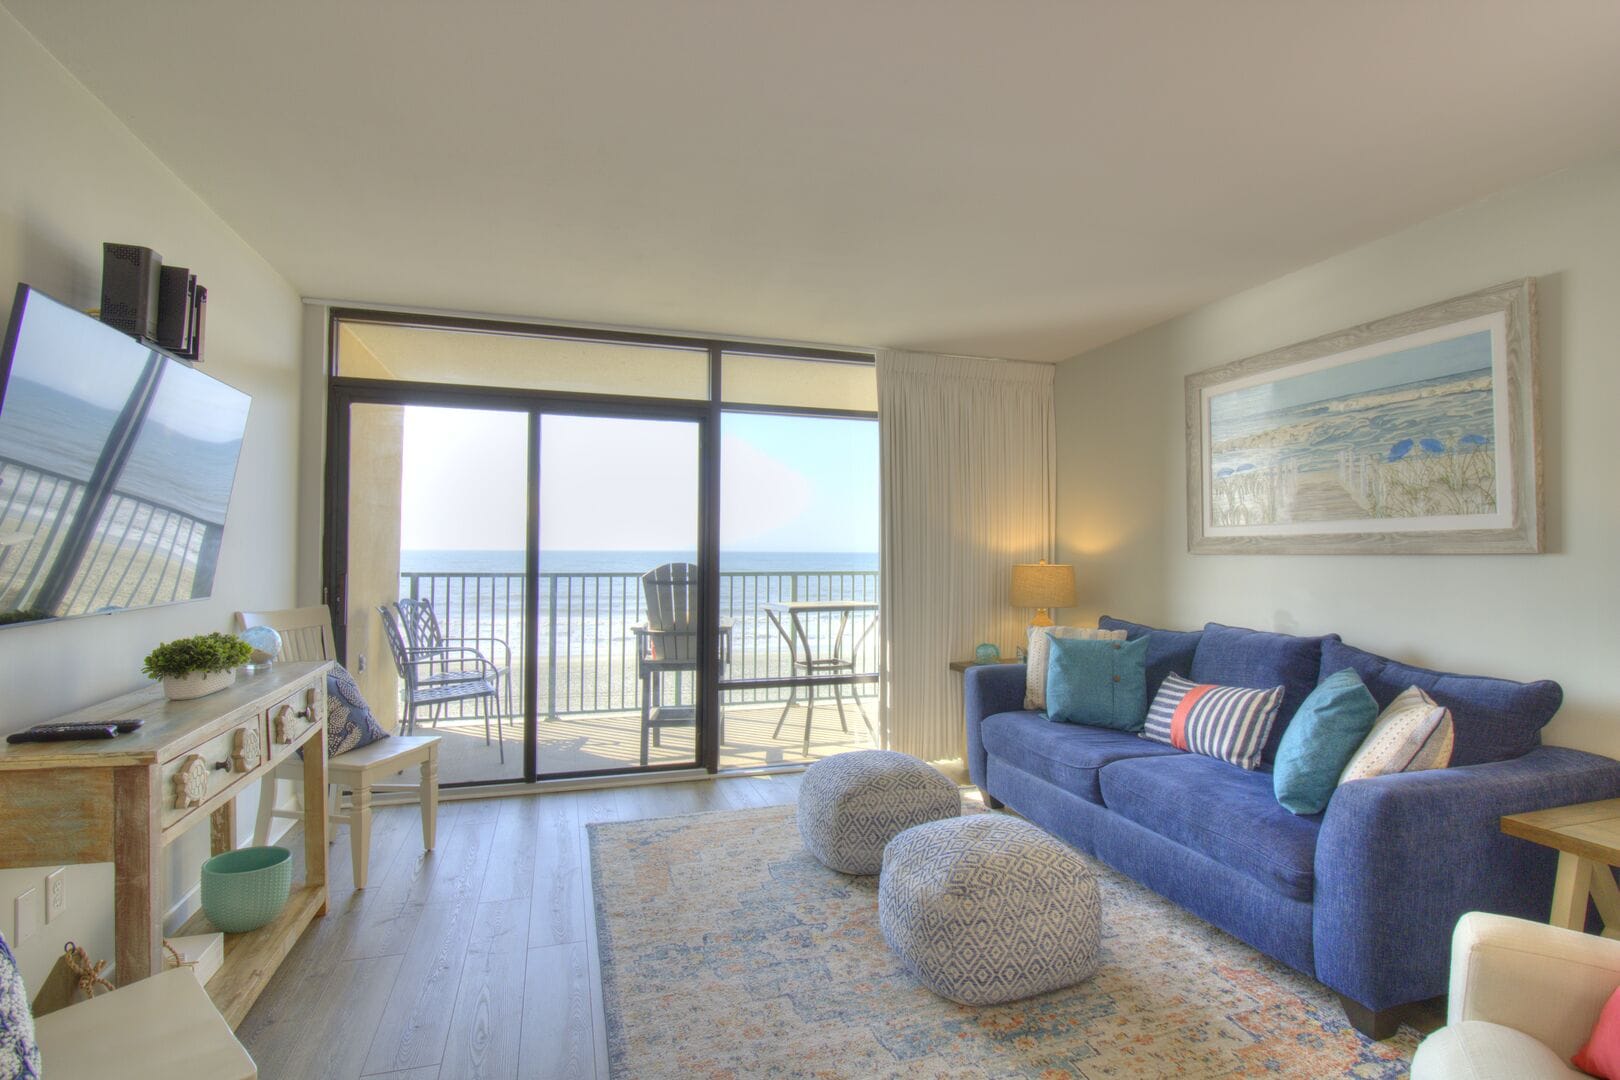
(124, 800)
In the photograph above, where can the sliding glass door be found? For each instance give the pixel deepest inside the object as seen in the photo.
(434, 583)
(524, 545)
(620, 592)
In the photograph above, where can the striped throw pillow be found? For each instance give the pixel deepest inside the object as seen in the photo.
(1411, 735)
(1226, 722)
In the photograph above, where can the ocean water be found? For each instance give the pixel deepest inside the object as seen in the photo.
(1312, 436)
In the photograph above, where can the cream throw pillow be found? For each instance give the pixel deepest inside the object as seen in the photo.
(1040, 651)
(1411, 735)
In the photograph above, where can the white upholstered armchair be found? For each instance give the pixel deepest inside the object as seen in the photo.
(1524, 997)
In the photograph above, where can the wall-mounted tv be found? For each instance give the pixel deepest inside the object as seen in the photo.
(116, 468)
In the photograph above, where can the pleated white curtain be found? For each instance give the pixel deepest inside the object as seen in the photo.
(967, 450)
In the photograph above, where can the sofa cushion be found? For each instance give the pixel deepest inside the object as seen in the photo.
(1326, 733)
(1494, 719)
(1098, 683)
(1234, 656)
(1168, 650)
(1038, 656)
(1066, 755)
(1220, 811)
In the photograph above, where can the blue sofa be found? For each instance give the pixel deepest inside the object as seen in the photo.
(1362, 897)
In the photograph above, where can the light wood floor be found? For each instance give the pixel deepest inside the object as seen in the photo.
(475, 960)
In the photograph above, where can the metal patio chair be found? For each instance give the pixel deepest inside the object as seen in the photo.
(668, 642)
(420, 693)
(424, 634)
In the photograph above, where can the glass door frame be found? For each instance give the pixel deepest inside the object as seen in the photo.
(346, 391)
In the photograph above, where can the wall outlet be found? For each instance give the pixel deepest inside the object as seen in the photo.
(56, 894)
(27, 914)
(360, 669)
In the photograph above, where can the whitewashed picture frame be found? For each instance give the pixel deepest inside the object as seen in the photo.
(1414, 434)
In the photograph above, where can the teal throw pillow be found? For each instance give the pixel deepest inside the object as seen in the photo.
(1098, 683)
(1324, 735)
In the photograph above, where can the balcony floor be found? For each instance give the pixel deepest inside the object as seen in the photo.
(588, 742)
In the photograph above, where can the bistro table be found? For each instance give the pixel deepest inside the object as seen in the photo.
(802, 651)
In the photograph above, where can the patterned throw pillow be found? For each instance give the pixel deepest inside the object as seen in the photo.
(1040, 652)
(349, 723)
(1411, 735)
(19, 1052)
(1226, 722)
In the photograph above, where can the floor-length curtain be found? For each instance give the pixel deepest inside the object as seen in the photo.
(967, 456)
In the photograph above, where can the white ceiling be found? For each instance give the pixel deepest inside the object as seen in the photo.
(1016, 178)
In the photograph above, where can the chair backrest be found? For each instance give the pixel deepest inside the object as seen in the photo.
(306, 632)
(671, 596)
(420, 624)
(397, 646)
(671, 592)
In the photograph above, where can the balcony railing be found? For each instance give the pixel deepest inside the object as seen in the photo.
(136, 552)
(587, 648)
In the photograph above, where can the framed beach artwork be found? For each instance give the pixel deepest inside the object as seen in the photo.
(1415, 434)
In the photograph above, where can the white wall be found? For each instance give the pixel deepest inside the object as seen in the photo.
(1122, 477)
(73, 177)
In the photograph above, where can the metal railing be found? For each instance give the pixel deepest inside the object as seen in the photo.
(587, 648)
(138, 552)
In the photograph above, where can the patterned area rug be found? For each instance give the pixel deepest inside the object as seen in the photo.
(729, 952)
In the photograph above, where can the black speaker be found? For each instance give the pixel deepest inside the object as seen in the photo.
(176, 287)
(199, 320)
(130, 283)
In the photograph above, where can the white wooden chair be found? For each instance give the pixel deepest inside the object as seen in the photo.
(161, 1028)
(306, 634)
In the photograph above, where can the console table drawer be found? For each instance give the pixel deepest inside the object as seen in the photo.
(196, 776)
(289, 718)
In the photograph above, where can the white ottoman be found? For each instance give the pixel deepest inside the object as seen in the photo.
(851, 805)
(988, 909)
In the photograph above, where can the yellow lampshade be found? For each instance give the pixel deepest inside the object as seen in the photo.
(1042, 585)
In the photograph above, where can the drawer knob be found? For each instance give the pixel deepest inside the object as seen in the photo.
(284, 722)
(191, 782)
(248, 752)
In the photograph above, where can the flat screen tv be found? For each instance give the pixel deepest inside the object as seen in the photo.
(116, 467)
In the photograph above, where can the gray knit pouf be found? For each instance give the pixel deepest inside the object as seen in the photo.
(988, 909)
(851, 805)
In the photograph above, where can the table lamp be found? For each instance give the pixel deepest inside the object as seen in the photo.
(1041, 586)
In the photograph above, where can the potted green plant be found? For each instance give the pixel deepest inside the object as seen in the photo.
(194, 666)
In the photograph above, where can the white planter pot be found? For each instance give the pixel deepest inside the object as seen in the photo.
(195, 684)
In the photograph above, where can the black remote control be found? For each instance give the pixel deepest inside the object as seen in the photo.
(63, 733)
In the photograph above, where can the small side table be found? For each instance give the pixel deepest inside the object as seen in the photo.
(960, 666)
(1587, 839)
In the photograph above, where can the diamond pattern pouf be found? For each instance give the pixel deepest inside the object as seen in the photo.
(989, 909)
(851, 805)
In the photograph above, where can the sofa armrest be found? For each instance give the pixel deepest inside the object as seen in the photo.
(1401, 858)
(1545, 981)
(988, 689)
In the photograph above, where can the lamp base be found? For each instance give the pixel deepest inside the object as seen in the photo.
(1043, 617)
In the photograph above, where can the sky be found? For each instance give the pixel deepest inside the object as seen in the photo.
(787, 483)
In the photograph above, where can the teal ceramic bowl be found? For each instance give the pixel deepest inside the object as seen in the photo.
(244, 889)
